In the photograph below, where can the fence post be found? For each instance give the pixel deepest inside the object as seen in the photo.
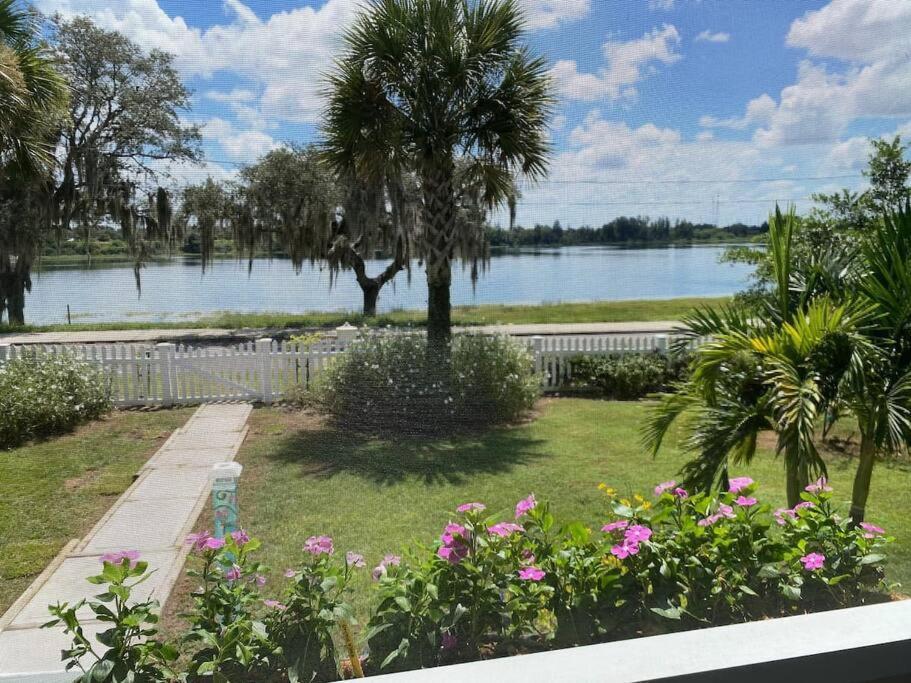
(537, 344)
(4, 352)
(346, 334)
(264, 352)
(661, 344)
(168, 389)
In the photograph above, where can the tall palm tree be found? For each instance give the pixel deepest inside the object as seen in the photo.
(445, 89)
(32, 92)
(879, 393)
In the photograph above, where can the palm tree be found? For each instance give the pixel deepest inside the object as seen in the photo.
(778, 371)
(32, 93)
(879, 393)
(447, 90)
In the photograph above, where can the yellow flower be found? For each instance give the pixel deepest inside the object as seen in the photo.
(602, 486)
(638, 498)
(625, 501)
(646, 505)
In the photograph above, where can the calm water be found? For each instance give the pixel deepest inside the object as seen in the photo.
(179, 290)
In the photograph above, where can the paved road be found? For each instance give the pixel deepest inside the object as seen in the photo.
(216, 335)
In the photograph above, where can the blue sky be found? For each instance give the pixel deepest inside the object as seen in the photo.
(667, 107)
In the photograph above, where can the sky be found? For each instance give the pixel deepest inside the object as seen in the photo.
(707, 110)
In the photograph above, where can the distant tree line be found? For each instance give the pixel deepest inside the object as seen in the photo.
(622, 230)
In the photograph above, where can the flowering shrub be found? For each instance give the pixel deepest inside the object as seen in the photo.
(40, 396)
(491, 586)
(385, 382)
(494, 586)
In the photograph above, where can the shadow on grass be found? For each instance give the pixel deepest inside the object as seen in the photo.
(323, 452)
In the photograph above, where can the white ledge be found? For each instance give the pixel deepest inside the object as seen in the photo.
(849, 645)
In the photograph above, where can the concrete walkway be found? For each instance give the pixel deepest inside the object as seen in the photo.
(212, 336)
(153, 516)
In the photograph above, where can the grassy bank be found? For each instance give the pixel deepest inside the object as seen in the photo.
(302, 478)
(55, 490)
(596, 311)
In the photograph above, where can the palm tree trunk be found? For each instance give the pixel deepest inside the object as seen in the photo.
(792, 481)
(439, 217)
(863, 477)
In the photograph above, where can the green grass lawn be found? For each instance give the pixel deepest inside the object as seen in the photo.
(375, 497)
(597, 311)
(55, 490)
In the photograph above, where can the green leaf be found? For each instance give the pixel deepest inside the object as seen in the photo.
(872, 559)
(403, 602)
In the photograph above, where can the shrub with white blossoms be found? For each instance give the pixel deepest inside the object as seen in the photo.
(48, 394)
(386, 382)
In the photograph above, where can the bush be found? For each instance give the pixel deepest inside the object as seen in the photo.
(49, 394)
(629, 376)
(385, 382)
(490, 587)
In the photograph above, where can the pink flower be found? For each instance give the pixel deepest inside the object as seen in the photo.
(275, 604)
(528, 557)
(388, 561)
(240, 537)
(353, 559)
(625, 549)
(780, 514)
(468, 507)
(233, 574)
(746, 501)
(726, 511)
(709, 521)
(665, 486)
(813, 561)
(738, 484)
(449, 641)
(453, 554)
(198, 541)
(871, 530)
(531, 574)
(615, 526)
(260, 580)
(526, 505)
(804, 505)
(637, 533)
(213, 543)
(820, 485)
(132, 556)
(319, 545)
(681, 493)
(504, 529)
(450, 533)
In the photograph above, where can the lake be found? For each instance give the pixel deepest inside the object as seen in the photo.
(177, 290)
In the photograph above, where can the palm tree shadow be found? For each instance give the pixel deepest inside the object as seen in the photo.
(323, 452)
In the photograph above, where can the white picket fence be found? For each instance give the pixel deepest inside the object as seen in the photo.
(170, 374)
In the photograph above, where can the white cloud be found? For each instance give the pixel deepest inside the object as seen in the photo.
(542, 14)
(855, 30)
(238, 144)
(285, 54)
(759, 111)
(231, 97)
(872, 36)
(709, 37)
(627, 63)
